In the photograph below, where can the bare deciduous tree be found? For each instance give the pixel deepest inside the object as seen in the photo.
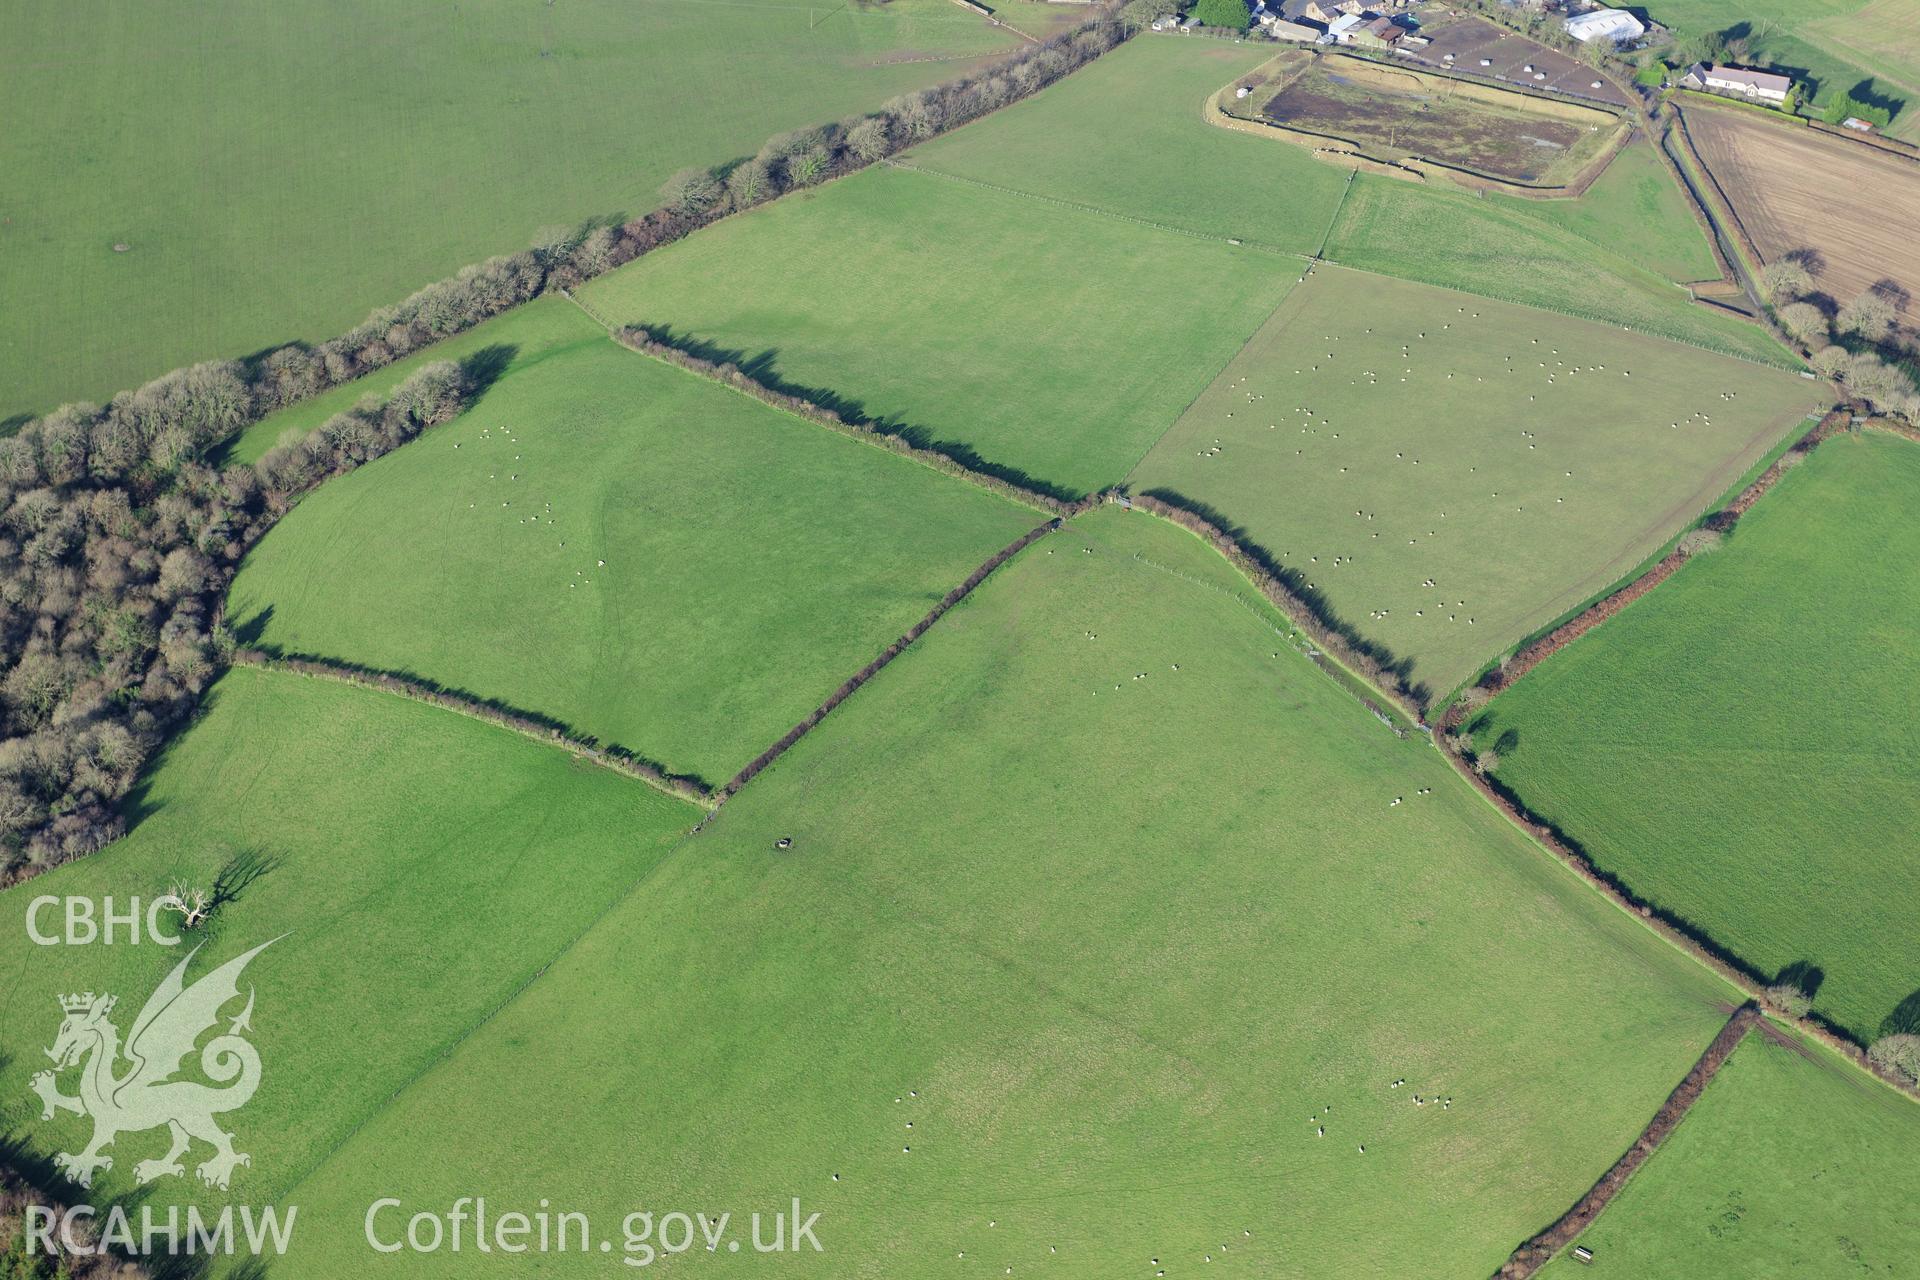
(1804, 321)
(691, 190)
(1871, 316)
(1786, 279)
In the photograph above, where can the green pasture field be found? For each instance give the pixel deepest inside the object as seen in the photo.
(1046, 341)
(1635, 209)
(1841, 44)
(1071, 957)
(1457, 241)
(492, 349)
(1791, 1166)
(682, 570)
(289, 168)
(1426, 499)
(1882, 39)
(1737, 746)
(416, 866)
(1127, 135)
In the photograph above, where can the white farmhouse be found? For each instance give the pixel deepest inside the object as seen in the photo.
(1755, 86)
(1616, 25)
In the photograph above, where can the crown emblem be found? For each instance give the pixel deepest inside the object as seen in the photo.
(80, 1003)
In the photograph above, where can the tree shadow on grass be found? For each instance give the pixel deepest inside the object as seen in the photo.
(248, 633)
(1905, 1018)
(1296, 584)
(483, 368)
(138, 805)
(561, 733)
(764, 369)
(1803, 976)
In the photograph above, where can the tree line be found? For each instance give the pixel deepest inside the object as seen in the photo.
(120, 530)
(117, 541)
(1859, 344)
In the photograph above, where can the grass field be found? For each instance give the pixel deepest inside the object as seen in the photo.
(1791, 1165)
(1422, 234)
(292, 168)
(682, 571)
(1127, 135)
(507, 342)
(1450, 474)
(1048, 341)
(418, 866)
(1882, 39)
(1735, 746)
(1635, 209)
(1837, 44)
(1062, 959)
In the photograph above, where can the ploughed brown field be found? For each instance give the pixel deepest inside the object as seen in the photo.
(1795, 188)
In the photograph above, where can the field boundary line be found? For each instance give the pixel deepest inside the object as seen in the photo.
(452, 1046)
(859, 678)
(1677, 932)
(642, 342)
(1320, 259)
(1326, 665)
(1532, 653)
(1643, 330)
(1286, 296)
(1703, 951)
(1540, 1249)
(533, 728)
(1333, 221)
(1060, 201)
(1326, 636)
(1544, 837)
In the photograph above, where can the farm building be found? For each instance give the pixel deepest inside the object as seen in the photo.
(1755, 86)
(1307, 13)
(1616, 25)
(1343, 27)
(1380, 33)
(1303, 32)
(1857, 124)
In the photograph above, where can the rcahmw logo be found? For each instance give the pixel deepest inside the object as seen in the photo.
(132, 1086)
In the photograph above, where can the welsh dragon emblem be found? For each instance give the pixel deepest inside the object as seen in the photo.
(144, 1093)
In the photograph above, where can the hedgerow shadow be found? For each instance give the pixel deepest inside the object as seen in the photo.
(1905, 1018)
(763, 368)
(1296, 584)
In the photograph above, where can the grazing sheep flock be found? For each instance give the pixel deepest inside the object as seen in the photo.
(1431, 462)
(545, 513)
